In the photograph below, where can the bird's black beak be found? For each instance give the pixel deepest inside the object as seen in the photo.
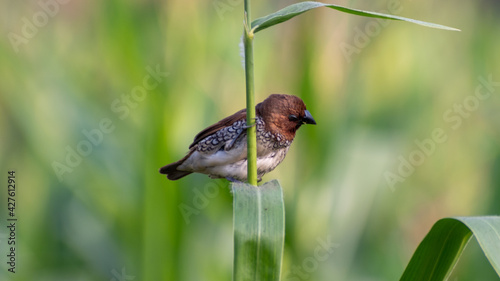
(308, 119)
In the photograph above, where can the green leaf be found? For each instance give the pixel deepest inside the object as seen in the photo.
(302, 7)
(438, 253)
(259, 232)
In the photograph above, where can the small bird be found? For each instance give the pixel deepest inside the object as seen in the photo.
(220, 150)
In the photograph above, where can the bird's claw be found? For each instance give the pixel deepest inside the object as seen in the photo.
(253, 125)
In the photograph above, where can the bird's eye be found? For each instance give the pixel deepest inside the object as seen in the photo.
(293, 118)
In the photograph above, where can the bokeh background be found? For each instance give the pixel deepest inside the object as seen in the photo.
(109, 215)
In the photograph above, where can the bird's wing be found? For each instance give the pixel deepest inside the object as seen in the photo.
(226, 122)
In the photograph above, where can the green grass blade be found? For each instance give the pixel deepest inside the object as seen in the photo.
(259, 219)
(438, 253)
(487, 232)
(302, 7)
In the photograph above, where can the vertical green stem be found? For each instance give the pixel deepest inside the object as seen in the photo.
(249, 77)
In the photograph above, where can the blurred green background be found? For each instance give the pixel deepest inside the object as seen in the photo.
(70, 67)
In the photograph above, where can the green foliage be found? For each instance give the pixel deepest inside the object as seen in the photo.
(439, 252)
(259, 231)
(302, 7)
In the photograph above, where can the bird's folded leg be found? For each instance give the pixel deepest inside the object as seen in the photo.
(231, 144)
(233, 180)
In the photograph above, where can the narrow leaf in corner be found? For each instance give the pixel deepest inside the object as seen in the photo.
(438, 253)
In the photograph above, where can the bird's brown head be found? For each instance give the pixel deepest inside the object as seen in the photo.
(284, 114)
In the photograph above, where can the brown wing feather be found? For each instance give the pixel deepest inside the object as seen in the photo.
(228, 121)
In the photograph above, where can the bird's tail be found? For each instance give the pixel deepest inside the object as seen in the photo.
(171, 170)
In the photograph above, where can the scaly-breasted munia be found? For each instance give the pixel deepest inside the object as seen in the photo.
(220, 150)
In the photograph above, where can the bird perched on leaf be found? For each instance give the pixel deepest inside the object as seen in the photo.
(220, 150)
